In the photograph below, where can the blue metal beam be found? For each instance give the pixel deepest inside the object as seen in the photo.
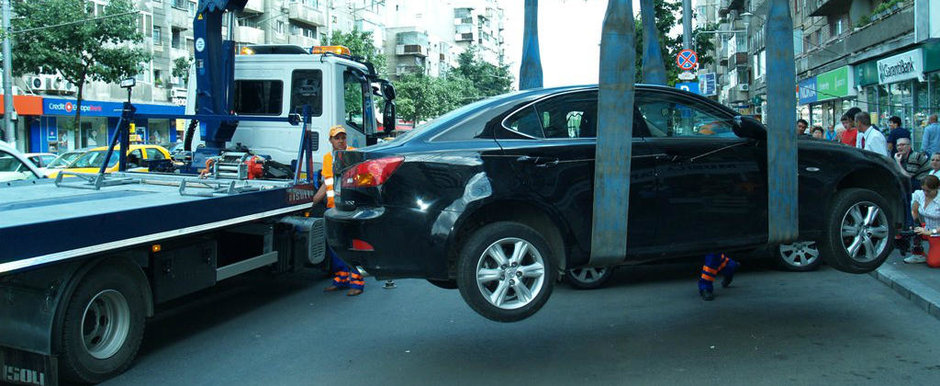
(654, 71)
(782, 189)
(614, 144)
(530, 73)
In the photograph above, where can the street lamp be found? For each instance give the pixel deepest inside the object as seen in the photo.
(746, 18)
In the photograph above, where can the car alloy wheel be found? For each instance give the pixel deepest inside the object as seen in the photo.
(589, 277)
(864, 231)
(510, 273)
(799, 256)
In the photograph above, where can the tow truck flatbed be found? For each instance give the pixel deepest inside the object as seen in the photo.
(139, 208)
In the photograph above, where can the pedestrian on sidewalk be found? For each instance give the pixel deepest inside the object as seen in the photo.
(715, 264)
(925, 208)
(344, 276)
(931, 142)
(934, 165)
(895, 132)
(869, 137)
(849, 136)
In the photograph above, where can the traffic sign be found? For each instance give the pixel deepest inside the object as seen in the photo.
(688, 86)
(686, 75)
(707, 84)
(687, 59)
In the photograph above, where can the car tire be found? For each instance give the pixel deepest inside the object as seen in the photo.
(799, 256)
(102, 327)
(859, 232)
(588, 277)
(506, 271)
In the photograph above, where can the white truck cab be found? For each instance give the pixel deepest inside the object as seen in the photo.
(278, 80)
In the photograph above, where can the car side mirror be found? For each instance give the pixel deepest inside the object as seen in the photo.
(748, 127)
(388, 91)
(388, 117)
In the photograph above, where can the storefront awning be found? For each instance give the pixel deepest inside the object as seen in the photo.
(24, 104)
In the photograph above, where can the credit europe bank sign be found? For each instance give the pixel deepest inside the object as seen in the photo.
(68, 107)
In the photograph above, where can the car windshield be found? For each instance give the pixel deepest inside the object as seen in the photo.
(8, 163)
(94, 159)
(63, 160)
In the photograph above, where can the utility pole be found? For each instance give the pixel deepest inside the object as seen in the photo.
(8, 111)
(687, 24)
(530, 72)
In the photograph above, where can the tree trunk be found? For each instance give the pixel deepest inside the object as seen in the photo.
(77, 123)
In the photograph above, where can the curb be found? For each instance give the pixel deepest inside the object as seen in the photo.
(923, 296)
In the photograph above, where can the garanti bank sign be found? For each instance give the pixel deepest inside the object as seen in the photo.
(908, 65)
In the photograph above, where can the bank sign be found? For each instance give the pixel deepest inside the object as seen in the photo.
(908, 65)
(54, 106)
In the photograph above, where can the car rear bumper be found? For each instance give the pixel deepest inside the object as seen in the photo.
(387, 242)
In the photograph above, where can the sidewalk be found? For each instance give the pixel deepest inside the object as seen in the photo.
(917, 282)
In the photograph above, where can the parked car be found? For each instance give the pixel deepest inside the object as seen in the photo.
(496, 198)
(15, 166)
(64, 159)
(137, 158)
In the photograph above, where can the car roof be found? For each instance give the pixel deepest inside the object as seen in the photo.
(132, 147)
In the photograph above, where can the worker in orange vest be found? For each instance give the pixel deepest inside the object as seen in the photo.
(344, 276)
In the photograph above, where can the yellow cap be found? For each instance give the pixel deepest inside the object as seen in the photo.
(336, 130)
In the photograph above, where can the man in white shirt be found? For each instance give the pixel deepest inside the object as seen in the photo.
(870, 138)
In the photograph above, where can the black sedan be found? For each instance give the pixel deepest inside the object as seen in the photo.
(496, 198)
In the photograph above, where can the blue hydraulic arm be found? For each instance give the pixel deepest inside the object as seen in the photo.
(215, 69)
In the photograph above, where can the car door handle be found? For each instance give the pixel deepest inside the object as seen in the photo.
(540, 162)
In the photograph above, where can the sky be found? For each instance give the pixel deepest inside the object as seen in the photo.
(569, 38)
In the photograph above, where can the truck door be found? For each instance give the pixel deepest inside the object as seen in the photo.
(356, 106)
(556, 162)
(712, 183)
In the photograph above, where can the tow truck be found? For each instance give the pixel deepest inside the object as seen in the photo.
(85, 261)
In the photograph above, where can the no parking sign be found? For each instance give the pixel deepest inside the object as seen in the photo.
(687, 60)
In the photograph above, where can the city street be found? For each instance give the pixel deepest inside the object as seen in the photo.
(648, 326)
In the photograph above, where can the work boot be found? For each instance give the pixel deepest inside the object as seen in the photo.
(729, 274)
(331, 288)
(707, 295)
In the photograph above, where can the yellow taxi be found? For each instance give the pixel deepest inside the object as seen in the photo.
(137, 157)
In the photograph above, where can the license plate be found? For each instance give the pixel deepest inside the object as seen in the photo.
(24, 368)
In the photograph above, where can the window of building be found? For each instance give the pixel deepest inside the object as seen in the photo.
(146, 24)
(176, 40)
(259, 97)
(279, 27)
(181, 4)
(157, 36)
(797, 41)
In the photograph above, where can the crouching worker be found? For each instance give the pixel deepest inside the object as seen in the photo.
(715, 264)
(344, 276)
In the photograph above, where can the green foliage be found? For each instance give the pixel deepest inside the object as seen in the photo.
(487, 79)
(360, 43)
(100, 50)
(863, 21)
(421, 97)
(666, 13)
(181, 68)
(704, 44)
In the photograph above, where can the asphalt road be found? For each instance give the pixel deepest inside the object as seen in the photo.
(648, 326)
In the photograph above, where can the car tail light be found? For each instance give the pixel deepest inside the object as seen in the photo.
(359, 245)
(371, 173)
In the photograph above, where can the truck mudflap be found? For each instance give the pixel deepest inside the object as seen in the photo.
(19, 367)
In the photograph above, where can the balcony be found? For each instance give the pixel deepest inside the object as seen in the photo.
(729, 5)
(301, 40)
(411, 49)
(464, 37)
(249, 35)
(739, 59)
(306, 14)
(254, 6)
(827, 7)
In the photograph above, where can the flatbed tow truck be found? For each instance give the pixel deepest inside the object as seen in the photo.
(84, 259)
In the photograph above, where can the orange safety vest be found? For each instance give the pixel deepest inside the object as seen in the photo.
(327, 173)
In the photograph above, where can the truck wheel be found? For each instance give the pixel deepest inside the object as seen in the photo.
(858, 232)
(505, 271)
(102, 327)
(799, 256)
(589, 278)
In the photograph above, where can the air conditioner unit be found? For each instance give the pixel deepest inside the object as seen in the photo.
(36, 83)
(742, 87)
(68, 88)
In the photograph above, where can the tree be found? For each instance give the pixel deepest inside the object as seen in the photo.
(421, 97)
(181, 68)
(360, 43)
(487, 79)
(104, 49)
(667, 13)
(705, 44)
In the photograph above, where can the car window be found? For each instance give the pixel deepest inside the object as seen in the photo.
(154, 154)
(259, 97)
(133, 158)
(46, 159)
(10, 164)
(307, 89)
(566, 116)
(666, 115)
